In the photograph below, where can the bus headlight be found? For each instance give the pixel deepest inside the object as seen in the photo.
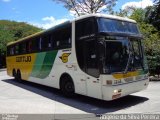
(117, 91)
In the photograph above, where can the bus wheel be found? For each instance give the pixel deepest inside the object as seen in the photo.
(18, 76)
(14, 73)
(67, 86)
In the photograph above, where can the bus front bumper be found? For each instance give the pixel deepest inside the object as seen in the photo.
(117, 91)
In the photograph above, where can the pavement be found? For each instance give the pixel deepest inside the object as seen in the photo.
(30, 98)
(2, 69)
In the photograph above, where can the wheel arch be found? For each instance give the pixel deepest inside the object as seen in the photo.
(65, 75)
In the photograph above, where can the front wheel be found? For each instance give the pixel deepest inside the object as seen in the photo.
(67, 87)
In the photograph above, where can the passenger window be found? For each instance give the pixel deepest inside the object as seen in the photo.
(29, 46)
(46, 42)
(11, 50)
(17, 49)
(62, 38)
(35, 44)
(85, 27)
(22, 48)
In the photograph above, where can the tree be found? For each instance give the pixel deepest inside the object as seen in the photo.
(151, 38)
(12, 31)
(81, 7)
(121, 13)
(153, 14)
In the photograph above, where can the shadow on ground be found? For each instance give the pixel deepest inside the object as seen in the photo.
(87, 104)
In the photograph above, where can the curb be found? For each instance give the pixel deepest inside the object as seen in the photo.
(154, 79)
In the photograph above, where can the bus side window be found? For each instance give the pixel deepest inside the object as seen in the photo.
(46, 42)
(11, 51)
(35, 44)
(17, 49)
(85, 27)
(29, 46)
(61, 39)
(22, 48)
(66, 38)
(55, 39)
(49, 42)
(8, 51)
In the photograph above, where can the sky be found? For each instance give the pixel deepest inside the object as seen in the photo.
(46, 13)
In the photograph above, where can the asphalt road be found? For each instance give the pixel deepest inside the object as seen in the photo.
(31, 98)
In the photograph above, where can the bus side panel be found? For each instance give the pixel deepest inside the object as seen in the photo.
(22, 62)
(49, 67)
(9, 66)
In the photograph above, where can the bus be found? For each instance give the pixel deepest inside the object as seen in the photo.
(99, 56)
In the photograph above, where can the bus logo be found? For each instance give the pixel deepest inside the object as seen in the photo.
(64, 57)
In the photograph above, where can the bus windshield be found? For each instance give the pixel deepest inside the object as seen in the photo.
(111, 25)
(122, 55)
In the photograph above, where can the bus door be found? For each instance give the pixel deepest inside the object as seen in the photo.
(92, 69)
(79, 74)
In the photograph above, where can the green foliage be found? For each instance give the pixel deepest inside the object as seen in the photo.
(138, 15)
(153, 14)
(151, 38)
(12, 31)
(121, 13)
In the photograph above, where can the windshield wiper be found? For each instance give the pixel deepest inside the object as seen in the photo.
(127, 66)
(129, 61)
(142, 64)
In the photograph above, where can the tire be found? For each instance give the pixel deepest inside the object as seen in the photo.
(18, 76)
(14, 74)
(67, 86)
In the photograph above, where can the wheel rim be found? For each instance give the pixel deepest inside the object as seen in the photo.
(18, 75)
(69, 87)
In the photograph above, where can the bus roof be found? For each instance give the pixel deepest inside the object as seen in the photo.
(76, 19)
(38, 33)
(105, 16)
